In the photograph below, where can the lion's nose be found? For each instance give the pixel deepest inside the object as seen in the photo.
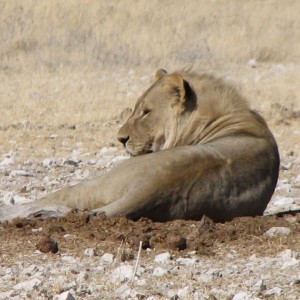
(123, 139)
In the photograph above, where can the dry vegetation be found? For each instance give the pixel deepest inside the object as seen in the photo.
(76, 63)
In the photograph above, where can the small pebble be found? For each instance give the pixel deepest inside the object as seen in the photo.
(47, 245)
(273, 231)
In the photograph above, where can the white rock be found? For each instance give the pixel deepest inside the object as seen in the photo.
(186, 261)
(106, 258)
(277, 231)
(286, 255)
(140, 282)
(171, 294)
(159, 271)
(90, 252)
(70, 286)
(7, 161)
(82, 276)
(21, 173)
(69, 259)
(47, 162)
(8, 198)
(252, 63)
(28, 271)
(53, 136)
(64, 296)
(122, 273)
(297, 180)
(19, 199)
(184, 292)
(70, 236)
(293, 263)
(106, 150)
(274, 291)
(162, 258)
(123, 291)
(5, 295)
(241, 296)
(28, 286)
(258, 286)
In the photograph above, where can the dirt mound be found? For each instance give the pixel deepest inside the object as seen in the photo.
(77, 231)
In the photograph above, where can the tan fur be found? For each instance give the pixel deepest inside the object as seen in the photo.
(206, 153)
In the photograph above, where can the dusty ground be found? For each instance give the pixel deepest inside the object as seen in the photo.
(244, 235)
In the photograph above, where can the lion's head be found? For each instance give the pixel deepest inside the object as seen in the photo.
(183, 108)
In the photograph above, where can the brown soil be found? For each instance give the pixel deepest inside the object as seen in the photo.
(77, 231)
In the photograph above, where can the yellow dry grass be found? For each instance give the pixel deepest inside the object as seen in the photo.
(78, 63)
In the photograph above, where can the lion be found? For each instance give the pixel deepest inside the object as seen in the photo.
(197, 149)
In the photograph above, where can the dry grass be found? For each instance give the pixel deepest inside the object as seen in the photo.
(106, 34)
(77, 63)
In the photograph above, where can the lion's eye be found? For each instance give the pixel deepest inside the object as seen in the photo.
(146, 112)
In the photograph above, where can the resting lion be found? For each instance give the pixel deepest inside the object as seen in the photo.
(198, 150)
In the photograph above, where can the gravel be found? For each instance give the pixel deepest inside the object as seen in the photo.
(164, 275)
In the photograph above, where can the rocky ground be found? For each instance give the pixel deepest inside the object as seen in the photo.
(82, 257)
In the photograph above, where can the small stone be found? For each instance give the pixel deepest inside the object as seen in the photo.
(47, 162)
(286, 254)
(71, 162)
(6, 295)
(47, 245)
(258, 286)
(122, 274)
(241, 296)
(21, 173)
(184, 292)
(252, 63)
(274, 291)
(179, 243)
(64, 296)
(82, 276)
(292, 263)
(8, 198)
(28, 286)
(69, 259)
(123, 291)
(162, 258)
(31, 269)
(90, 252)
(171, 294)
(7, 161)
(70, 236)
(159, 272)
(297, 180)
(106, 258)
(69, 286)
(186, 261)
(53, 136)
(277, 231)
(19, 200)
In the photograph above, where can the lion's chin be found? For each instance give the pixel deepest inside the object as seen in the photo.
(138, 153)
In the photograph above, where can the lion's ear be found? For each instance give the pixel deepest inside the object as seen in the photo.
(160, 74)
(175, 85)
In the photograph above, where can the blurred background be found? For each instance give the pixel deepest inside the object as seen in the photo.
(77, 62)
(49, 35)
